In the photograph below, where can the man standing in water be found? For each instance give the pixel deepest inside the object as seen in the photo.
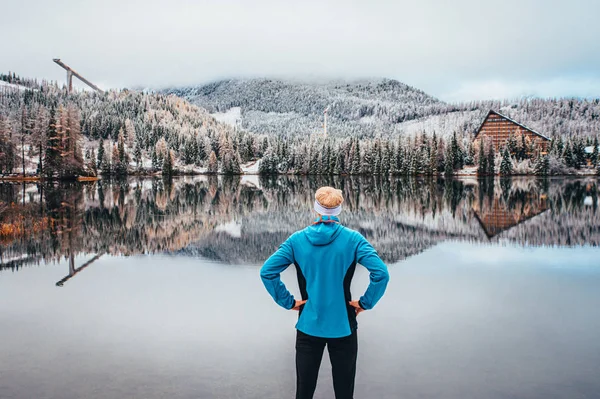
(325, 255)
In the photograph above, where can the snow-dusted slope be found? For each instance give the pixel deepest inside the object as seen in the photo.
(6, 85)
(294, 107)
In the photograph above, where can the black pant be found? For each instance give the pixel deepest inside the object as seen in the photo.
(342, 354)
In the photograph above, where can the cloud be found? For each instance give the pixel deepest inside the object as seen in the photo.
(578, 86)
(452, 50)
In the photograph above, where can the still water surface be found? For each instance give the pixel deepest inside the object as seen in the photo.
(145, 289)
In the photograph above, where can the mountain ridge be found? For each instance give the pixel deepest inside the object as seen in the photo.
(376, 106)
(296, 106)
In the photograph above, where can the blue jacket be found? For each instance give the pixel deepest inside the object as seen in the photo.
(325, 255)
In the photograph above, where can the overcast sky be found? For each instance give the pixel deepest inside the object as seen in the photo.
(454, 50)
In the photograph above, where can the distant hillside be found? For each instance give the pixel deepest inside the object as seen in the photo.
(359, 108)
(147, 127)
(371, 107)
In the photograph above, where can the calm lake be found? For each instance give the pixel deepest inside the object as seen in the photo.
(150, 289)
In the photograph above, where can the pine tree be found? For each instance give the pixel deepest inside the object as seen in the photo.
(52, 156)
(511, 144)
(340, 163)
(594, 157)
(331, 154)
(522, 149)
(449, 161)
(457, 153)
(506, 167)
(412, 168)
(120, 162)
(100, 159)
(376, 157)
(433, 156)
(568, 155)
(355, 168)
(482, 168)
(387, 154)
(137, 154)
(167, 167)
(542, 165)
(230, 162)
(366, 161)
(579, 153)
(107, 165)
(213, 165)
(491, 160)
(155, 160)
(92, 168)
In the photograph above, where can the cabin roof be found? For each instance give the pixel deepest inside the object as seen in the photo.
(510, 120)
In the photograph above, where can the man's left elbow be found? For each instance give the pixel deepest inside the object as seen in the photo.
(385, 277)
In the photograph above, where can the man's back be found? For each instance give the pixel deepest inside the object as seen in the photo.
(325, 255)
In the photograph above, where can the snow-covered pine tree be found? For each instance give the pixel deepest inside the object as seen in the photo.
(213, 164)
(167, 167)
(52, 155)
(491, 160)
(120, 162)
(512, 144)
(92, 168)
(457, 153)
(433, 157)
(366, 163)
(594, 156)
(506, 167)
(355, 168)
(449, 159)
(579, 152)
(387, 155)
(230, 162)
(542, 165)
(100, 156)
(155, 160)
(482, 168)
(137, 154)
(376, 157)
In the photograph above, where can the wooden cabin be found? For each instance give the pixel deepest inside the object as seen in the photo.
(497, 128)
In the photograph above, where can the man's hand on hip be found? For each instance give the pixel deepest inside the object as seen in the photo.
(356, 307)
(298, 304)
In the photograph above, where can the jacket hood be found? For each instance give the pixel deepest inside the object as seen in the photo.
(323, 233)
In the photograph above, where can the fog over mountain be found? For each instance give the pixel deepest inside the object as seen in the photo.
(458, 51)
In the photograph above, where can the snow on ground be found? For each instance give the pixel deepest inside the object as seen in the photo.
(7, 85)
(443, 125)
(193, 169)
(251, 168)
(232, 117)
(233, 228)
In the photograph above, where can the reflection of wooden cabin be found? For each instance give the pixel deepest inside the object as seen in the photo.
(497, 128)
(498, 217)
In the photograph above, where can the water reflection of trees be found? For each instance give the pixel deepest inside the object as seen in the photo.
(236, 220)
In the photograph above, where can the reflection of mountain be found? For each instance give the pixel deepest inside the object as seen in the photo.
(229, 221)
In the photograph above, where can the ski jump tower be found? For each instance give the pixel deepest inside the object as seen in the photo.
(70, 73)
